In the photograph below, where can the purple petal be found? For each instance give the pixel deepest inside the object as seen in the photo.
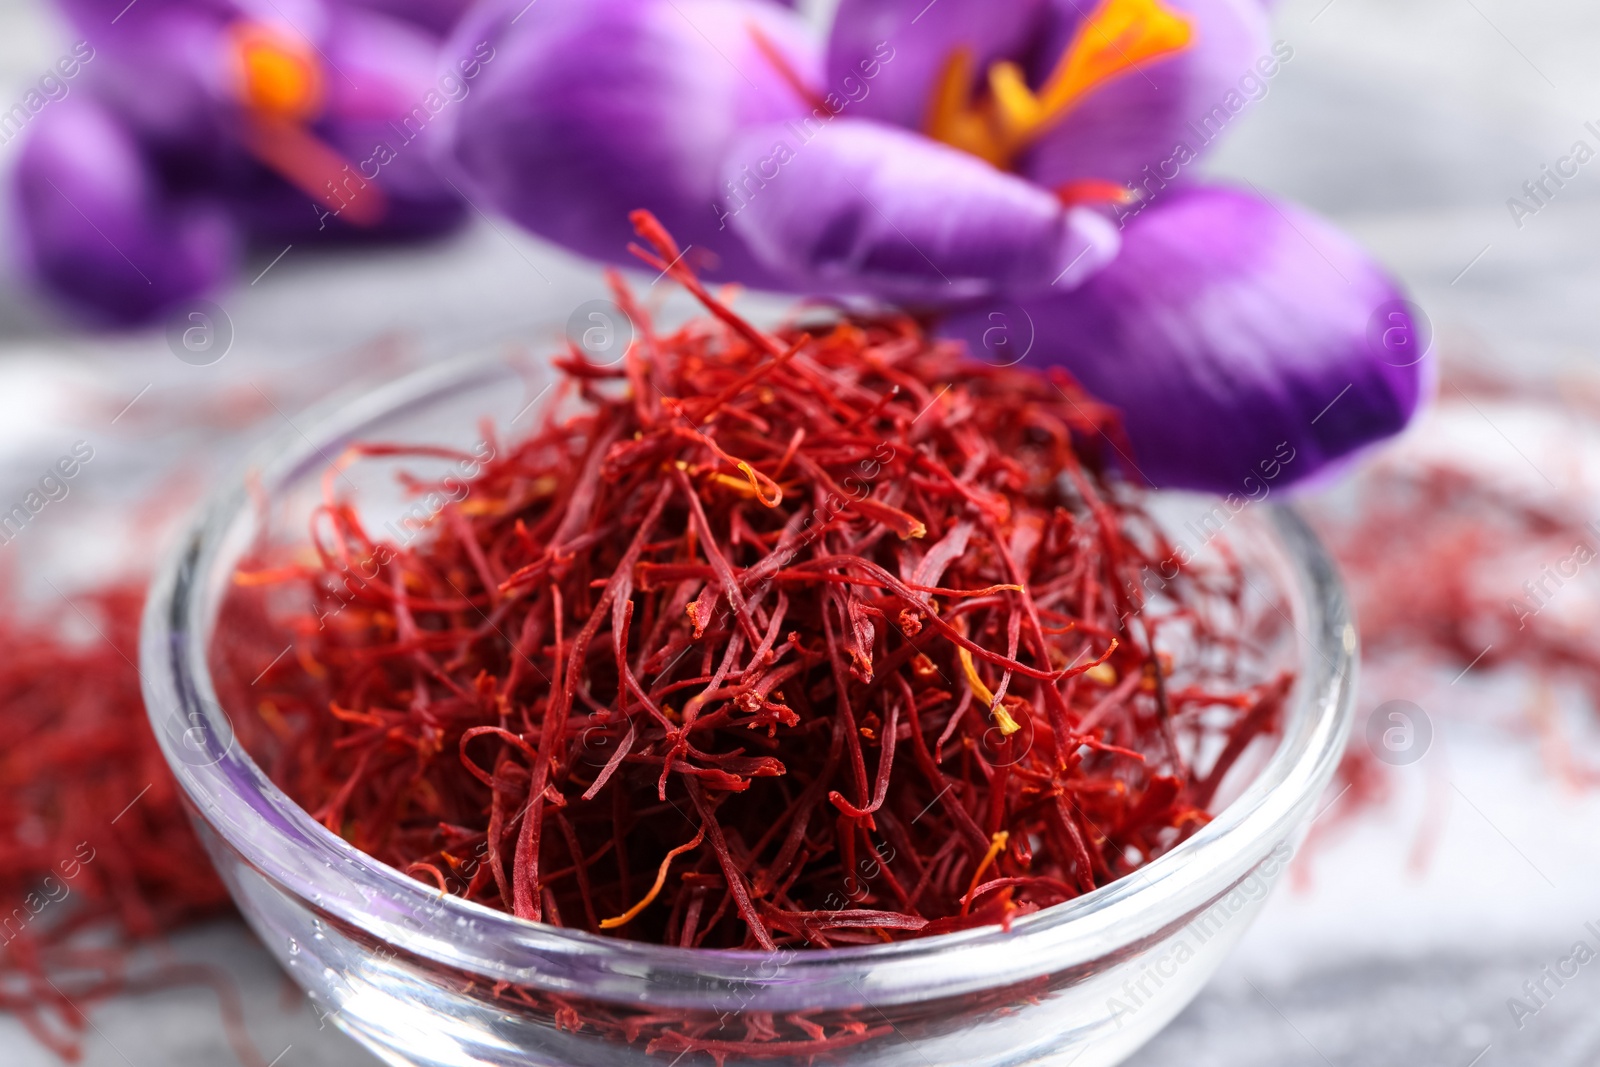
(591, 110)
(160, 68)
(856, 206)
(436, 16)
(166, 69)
(1239, 337)
(1141, 118)
(895, 51)
(385, 97)
(381, 67)
(94, 228)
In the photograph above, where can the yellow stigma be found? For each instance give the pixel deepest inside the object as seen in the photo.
(1002, 717)
(278, 78)
(1119, 37)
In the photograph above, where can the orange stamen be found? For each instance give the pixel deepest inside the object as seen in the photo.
(276, 76)
(1002, 717)
(655, 890)
(1094, 191)
(280, 85)
(1119, 37)
(317, 170)
(997, 843)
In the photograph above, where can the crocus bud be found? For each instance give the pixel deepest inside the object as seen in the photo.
(94, 227)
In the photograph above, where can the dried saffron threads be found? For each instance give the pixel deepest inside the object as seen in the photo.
(97, 856)
(1465, 572)
(1449, 568)
(820, 637)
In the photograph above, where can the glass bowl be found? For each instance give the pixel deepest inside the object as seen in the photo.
(431, 980)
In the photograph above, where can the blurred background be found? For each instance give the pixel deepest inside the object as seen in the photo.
(1445, 874)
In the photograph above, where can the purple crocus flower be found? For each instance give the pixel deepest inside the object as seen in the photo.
(1022, 172)
(190, 130)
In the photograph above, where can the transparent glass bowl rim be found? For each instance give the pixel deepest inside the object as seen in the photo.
(303, 858)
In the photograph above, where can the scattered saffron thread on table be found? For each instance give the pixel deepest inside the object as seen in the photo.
(1449, 567)
(81, 890)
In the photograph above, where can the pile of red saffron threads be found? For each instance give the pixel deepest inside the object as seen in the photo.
(812, 638)
(97, 856)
